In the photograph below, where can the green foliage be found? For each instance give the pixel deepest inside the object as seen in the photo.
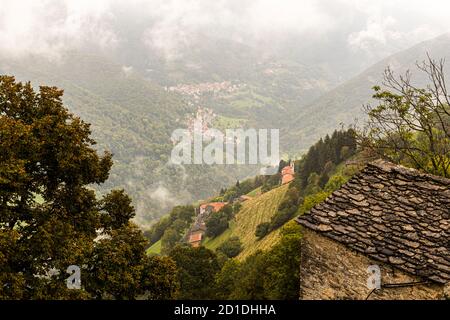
(236, 207)
(178, 220)
(231, 247)
(197, 268)
(217, 223)
(411, 125)
(262, 229)
(286, 209)
(118, 209)
(226, 279)
(271, 182)
(265, 275)
(323, 156)
(159, 280)
(267, 182)
(50, 218)
(169, 239)
(249, 281)
(283, 281)
(120, 269)
(335, 182)
(311, 200)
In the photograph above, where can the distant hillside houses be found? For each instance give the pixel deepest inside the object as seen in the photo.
(200, 88)
(388, 218)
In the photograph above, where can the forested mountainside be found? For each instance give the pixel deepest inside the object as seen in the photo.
(250, 249)
(344, 104)
(133, 110)
(263, 202)
(133, 118)
(134, 107)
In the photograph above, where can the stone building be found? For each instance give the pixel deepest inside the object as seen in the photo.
(387, 216)
(195, 236)
(287, 173)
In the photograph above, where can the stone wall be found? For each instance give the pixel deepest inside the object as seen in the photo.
(329, 270)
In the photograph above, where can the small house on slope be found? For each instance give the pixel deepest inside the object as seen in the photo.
(387, 216)
(196, 234)
(287, 173)
(209, 207)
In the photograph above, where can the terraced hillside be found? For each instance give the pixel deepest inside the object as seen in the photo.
(252, 213)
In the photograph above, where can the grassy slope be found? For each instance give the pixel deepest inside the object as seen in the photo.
(155, 248)
(252, 213)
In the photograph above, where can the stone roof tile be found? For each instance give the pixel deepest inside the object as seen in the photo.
(393, 214)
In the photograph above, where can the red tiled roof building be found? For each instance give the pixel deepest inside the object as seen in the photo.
(287, 173)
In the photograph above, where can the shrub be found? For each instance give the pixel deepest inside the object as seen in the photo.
(262, 229)
(231, 248)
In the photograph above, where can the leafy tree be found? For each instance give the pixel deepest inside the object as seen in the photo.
(157, 231)
(411, 125)
(249, 281)
(49, 217)
(227, 279)
(197, 268)
(286, 209)
(178, 219)
(118, 207)
(273, 274)
(283, 280)
(120, 268)
(222, 258)
(324, 155)
(313, 185)
(227, 211)
(159, 278)
(262, 230)
(231, 247)
(236, 207)
(169, 239)
(217, 223)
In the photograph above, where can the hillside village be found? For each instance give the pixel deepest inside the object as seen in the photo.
(196, 233)
(196, 90)
(135, 163)
(370, 213)
(380, 217)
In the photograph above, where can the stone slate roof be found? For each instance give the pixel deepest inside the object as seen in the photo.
(391, 214)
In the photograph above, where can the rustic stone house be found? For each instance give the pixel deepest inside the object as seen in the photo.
(386, 216)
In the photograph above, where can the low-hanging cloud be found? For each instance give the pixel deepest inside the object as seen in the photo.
(49, 27)
(169, 26)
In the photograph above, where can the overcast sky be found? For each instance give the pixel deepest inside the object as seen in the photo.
(49, 26)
